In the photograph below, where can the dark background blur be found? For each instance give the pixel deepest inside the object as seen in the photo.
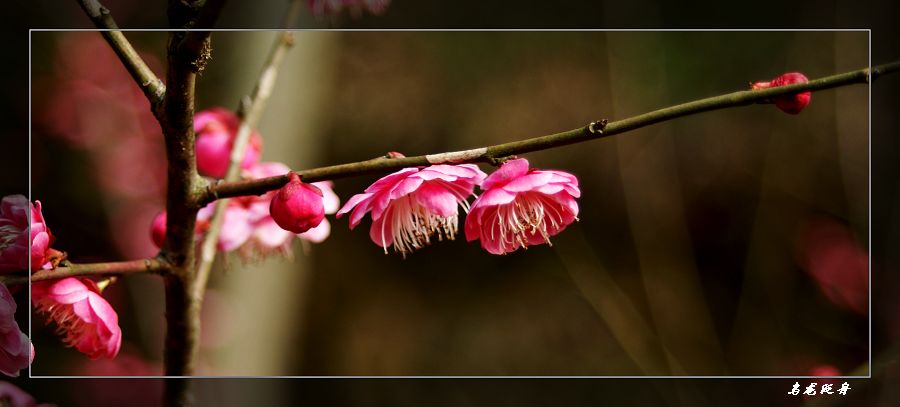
(695, 234)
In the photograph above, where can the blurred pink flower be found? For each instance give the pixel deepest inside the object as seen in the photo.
(331, 7)
(15, 211)
(297, 206)
(83, 318)
(522, 207)
(216, 130)
(414, 205)
(16, 351)
(12, 396)
(837, 263)
(791, 104)
(267, 237)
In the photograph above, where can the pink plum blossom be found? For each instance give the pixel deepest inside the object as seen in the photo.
(15, 240)
(415, 205)
(83, 318)
(216, 130)
(522, 207)
(297, 206)
(16, 351)
(791, 104)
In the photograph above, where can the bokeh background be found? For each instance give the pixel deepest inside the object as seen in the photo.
(701, 235)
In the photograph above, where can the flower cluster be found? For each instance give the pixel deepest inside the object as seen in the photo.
(83, 318)
(519, 207)
(255, 226)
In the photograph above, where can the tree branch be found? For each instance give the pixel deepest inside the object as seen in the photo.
(184, 186)
(261, 92)
(149, 265)
(152, 87)
(595, 130)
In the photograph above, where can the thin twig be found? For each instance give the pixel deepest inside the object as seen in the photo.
(250, 120)
(592, 131)
(149, 265)
(152, 87)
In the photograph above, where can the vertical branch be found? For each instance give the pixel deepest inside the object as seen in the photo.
(187, 52)
(182, 313)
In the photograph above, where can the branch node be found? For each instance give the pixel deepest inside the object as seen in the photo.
(597, 127)
(496, 162)
(204, 54)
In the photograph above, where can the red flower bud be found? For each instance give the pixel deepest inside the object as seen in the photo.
(297, 206)
(791, 104)
(158, 229)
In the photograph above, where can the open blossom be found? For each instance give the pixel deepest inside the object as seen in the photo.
(522, 207)
(15, 240)
(16, 351)
(216, 130)
(791, 104)
(83, 318)
(415, 205)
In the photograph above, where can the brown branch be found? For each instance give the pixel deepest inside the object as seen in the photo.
(149, 265)
(184, 186)
(263, 89)
(152, 87)
(596, 130)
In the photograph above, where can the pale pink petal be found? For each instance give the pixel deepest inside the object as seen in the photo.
(330, 200)
(317, 234)
(270, 235)
(236, 229)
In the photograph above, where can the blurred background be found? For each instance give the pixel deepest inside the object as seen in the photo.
(728, 243)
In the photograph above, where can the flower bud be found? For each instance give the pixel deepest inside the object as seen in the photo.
(216, 130)
(791, 104)
(158, 229)
(297, 206)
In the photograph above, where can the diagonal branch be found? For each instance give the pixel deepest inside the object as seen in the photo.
(595, 130)
(152, 87)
